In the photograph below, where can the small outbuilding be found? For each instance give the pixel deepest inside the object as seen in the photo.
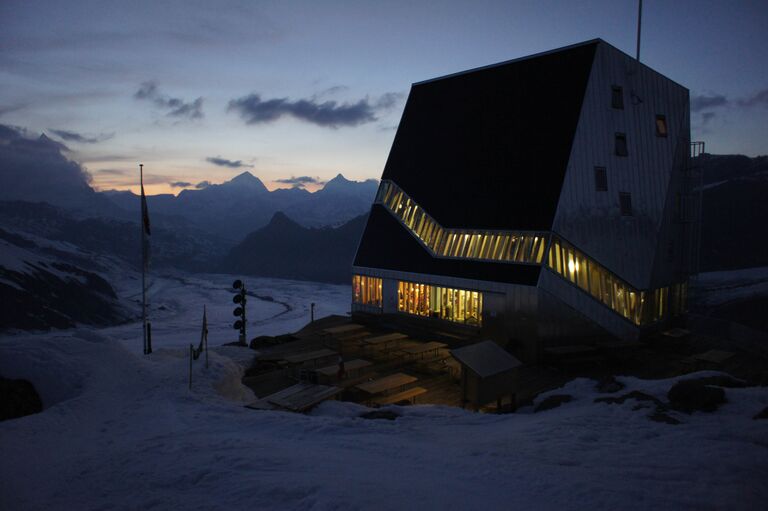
(488, 373)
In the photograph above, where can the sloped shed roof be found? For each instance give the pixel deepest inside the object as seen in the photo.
(486, 358)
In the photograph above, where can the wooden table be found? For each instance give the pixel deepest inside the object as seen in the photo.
(310, 356)
(393, 381)
(297, 398)
(342, 329)
(384, 340)
(426, 347)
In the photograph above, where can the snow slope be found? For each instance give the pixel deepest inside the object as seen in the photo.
(717, 287)
(121, 431)
(176, 300)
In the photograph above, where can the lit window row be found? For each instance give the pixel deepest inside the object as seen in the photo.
(458, 305)
(640, 307)
(484, 245)
(366, 290)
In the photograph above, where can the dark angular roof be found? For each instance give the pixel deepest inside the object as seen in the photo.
(488, 148)
(388, 245)
(486, 358)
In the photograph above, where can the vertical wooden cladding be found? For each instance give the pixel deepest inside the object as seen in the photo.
(460, 243)
(593, 221)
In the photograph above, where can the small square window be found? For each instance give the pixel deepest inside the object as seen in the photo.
(625, 203)
(661, 126)
(621, 145)
(617, 97)
(601, 179)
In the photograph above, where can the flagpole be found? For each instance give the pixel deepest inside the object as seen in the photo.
(639, 24)
(144, 262)
(205, 332)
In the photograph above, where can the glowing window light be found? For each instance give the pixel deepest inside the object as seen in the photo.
(445, 242)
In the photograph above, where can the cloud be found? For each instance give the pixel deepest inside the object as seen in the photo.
(175, 107)
(180, 184)
(12, 108)
(111, 172)
(71, 136)
(332, 91)
(389, 100)
(760, 98)
(329, 114)
(223, 162)
(301, 181)
(96, 157)
(203, 184)
(35, 168)
(707, 117)
(699, 103)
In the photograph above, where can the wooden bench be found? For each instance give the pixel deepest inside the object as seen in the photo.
(352, 368)
(297, 398)
(383, 341)
(387, 383)
(409, 395)
(422, 349)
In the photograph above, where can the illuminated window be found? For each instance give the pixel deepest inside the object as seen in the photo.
(601, 179)
(639, 307)
(457, 305)
(625, 203)
(617, 97)
(621, 145)
(661, 126)
(366, 290)
(441, 242)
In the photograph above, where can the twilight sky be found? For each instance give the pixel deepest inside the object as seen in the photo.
(300, 91)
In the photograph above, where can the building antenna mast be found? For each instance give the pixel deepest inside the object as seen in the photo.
(639, 24)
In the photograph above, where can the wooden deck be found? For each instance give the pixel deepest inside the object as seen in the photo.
(387, 383)
(382, 366)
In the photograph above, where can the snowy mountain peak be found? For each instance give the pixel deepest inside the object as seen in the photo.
(338, 182)
(342, 185)
(246, 179)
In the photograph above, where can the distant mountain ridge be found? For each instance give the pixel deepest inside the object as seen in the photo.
(735, 212)
(285, 249)
(243, 204)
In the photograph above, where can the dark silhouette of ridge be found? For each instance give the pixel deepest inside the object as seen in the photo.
(285, 249)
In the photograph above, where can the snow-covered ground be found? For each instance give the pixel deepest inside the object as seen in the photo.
(121, 431)
(274, 307)
(718, 287)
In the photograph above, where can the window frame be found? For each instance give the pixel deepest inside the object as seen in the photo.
(617, 97)
(620, 150)
(663, 119)
(625, 204)
(601, 178)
